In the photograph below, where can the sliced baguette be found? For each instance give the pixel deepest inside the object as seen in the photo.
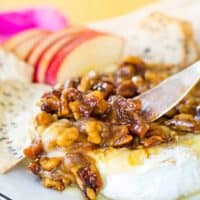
(160, 40)
(192, 51)
(11, 67)
(17, 105)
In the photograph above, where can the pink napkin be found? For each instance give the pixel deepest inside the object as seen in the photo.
(16, 21)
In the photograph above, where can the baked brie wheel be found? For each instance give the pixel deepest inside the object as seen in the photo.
(90, 133)
(166, 172)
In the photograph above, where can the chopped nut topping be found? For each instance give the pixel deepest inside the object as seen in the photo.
(67, 136)
(34, 150)
(49, 164)
(51, 183)
(99, 111)
(184, 122)
(75, 109)
(44, 119)
(126, 89)
(93, 129)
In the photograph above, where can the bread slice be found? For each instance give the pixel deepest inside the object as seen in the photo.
(11, 67)
(162, 41)
(192, 50)
(17, 106)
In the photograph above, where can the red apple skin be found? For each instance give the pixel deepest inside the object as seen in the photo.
(70, 36)
(23, 49)
(33, 47)
(21, 37)
(47, 56)
(42, 46)
(35, 55)
(53, 69)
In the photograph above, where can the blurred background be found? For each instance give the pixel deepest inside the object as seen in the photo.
(81, 11)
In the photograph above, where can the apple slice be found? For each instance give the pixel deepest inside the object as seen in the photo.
(45, 58)
(90, 51)
(24, 48)
(20, 37)
(47, 43)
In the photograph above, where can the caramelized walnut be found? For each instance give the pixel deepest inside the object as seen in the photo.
(126, 89)
(90, 181)
(120, 136)
(67, 136)
(93, 130)
(49, 164)
(34, 150)
(54, 184)
(44, 119)
(184, 122)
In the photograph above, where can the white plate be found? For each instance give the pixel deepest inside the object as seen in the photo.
(20, 184)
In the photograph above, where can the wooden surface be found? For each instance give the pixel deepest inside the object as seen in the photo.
(82, 11)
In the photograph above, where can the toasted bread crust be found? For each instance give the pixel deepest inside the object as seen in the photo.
(164, 41)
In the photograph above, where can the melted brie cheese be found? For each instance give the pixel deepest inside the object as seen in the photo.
(165, 172)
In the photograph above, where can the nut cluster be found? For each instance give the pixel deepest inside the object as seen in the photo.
(98, 111)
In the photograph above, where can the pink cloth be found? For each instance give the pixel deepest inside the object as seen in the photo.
(15, 21)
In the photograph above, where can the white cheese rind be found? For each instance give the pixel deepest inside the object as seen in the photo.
(173, 173)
